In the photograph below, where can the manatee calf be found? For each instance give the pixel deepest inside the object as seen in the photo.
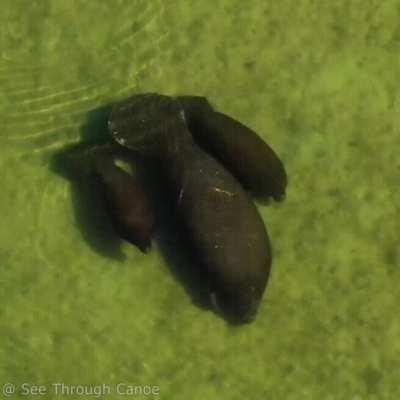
(237, 147)
(128, 205)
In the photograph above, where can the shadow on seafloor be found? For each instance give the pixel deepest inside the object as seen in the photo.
(94, 223)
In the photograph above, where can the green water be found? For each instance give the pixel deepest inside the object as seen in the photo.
(319, 81)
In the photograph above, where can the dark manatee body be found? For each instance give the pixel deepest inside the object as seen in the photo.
(128, 205)
(138, 122)
(224, 226)
(222, 223)
(237, 147)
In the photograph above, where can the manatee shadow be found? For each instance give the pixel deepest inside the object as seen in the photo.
(88, 205)
(172, 240)
(90, 212)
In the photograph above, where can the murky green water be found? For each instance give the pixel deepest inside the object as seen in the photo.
(319, 81)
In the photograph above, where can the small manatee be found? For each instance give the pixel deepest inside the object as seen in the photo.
(127, 203)
(237, 147)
